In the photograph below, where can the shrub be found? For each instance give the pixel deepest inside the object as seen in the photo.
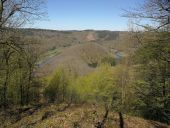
(56, 90)
(109, 60)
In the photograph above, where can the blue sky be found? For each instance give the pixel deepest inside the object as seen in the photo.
(86, 14)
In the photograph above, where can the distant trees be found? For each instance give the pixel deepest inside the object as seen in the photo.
(107, 35)
(94, 54)
(108, 60)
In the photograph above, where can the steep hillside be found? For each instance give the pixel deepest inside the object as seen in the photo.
(50, 39)
(81, 50)
(82, 58)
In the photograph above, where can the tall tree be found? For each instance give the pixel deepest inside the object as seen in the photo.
(14, 14)
(153, 59)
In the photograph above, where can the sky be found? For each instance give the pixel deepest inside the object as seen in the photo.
(86, 14)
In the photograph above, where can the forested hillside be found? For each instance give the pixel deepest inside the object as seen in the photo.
(87, 78)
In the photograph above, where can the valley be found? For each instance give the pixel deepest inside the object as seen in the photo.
(84, 64)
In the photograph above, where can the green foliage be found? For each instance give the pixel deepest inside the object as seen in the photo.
(93, 64)
(56, 90)
(96, 86)
(93, 87)
(104, 86)
(109, 60)
(107, 35)
(154, 84)
(17, 70)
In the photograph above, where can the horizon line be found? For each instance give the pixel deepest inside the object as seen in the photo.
(71, 29)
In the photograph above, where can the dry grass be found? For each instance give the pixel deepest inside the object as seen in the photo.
(77, 116)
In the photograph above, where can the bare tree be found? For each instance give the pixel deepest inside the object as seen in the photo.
(15, 13)
(155, 13)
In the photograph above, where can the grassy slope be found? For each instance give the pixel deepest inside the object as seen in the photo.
(85, 116)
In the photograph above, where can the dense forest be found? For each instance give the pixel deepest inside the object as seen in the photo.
(116, 75)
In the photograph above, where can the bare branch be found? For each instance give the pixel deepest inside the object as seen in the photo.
(157, 11)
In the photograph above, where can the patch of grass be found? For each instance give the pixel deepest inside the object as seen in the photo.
(49, 54)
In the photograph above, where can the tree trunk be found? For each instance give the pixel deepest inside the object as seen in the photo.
(21, 94)
(105, 116)
(121, 120)
(28, 86)
(1, 11)
(6, 84)
(5, 89)
(101, 124)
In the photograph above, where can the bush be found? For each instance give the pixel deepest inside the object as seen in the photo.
(109, 60)
(56, 90)
(96, 86)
